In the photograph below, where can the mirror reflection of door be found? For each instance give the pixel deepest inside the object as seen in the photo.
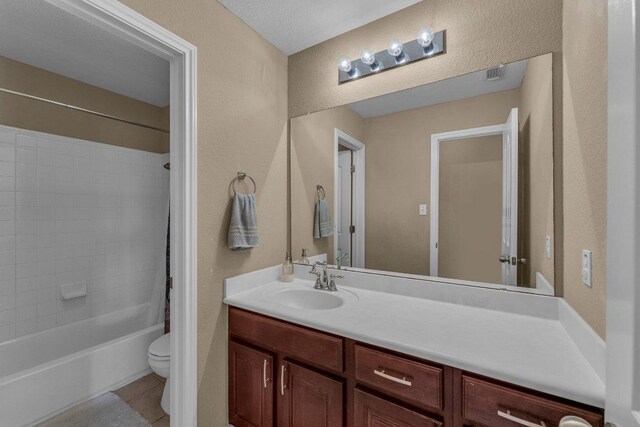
(345, 202)
(477, 204)
(471, 209)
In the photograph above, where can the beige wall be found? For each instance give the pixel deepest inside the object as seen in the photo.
(536, 171)
(480, 34)
(25, 113)
(585, 154)
(470, 209)
(312, 158)
(401, 142)
(242, 125)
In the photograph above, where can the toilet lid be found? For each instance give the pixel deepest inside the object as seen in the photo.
(160, 347)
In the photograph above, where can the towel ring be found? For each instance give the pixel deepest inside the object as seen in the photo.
(319, 188)
(240, 177)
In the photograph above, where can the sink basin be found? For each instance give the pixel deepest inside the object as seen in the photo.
(309, 299)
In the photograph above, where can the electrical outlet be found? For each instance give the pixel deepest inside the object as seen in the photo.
(547, 247)
(587, 267)
(423, 210)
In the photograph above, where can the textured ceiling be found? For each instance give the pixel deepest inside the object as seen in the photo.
(41, 35)
(294, 25)
(466, 86)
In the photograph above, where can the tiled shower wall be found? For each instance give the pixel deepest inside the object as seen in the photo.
(76, 211)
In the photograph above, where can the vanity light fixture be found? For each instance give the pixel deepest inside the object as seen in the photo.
(426, 45)
(396, 50)
(425, 37)
(368, 57)
(344, 65)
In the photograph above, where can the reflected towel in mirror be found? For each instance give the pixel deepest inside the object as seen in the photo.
(322, 224)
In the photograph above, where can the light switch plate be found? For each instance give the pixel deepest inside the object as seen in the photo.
(423, 210)
(547, 247)
(587, 267)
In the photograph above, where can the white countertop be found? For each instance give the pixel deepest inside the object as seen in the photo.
(530, 351)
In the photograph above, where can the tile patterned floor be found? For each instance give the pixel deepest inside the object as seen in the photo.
(144, 396)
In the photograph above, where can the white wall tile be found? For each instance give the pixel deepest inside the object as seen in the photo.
(7, 332)
(7, 213)
(26, 327)
(26, 141)
(7, 169)
(74, 210)
(7, 153)
(28, 156)
(7, 183)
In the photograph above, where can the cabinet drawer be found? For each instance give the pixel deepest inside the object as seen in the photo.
(305, 345)
(486, 404)
(414, 382)
(372, 411)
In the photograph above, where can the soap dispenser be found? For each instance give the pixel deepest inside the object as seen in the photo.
(287, 269)
(304, 258)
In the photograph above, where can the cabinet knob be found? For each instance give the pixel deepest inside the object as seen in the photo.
(573, 421)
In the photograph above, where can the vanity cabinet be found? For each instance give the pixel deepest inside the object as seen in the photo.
(309, 398)
(250, 386)
(289, 376)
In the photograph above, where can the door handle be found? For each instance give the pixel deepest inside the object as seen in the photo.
(507, 415)
(264, 372)
(512, 260)
(383, 374)
(283, 369)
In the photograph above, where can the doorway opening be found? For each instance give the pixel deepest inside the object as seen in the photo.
(349, 209)
(454, 171)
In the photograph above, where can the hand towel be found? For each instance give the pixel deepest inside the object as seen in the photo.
(322, 224)
(243, 230)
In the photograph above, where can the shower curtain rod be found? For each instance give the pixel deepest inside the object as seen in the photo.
(83, 110)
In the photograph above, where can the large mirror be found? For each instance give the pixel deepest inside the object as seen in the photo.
(450, 181)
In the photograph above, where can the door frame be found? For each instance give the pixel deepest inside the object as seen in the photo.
(436, 140)
(357, 193)
(622, 401)
(119, 19)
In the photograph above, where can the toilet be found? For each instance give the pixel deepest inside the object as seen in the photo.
(159, 360)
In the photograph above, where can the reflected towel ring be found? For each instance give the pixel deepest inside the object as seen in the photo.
(319, 188)
(240, 177)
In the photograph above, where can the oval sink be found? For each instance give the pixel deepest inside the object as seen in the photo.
(309, 299)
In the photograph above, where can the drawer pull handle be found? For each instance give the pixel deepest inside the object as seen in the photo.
(282, 384)
(383, 374)
(507, 415)
(264, 373)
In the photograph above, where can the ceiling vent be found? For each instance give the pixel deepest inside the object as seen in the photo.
(495, 73)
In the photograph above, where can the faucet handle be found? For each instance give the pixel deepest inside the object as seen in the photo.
(332, 283)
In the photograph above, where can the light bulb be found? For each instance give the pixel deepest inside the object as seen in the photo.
(368, 56)
(425, 37)
(395, 48)
(344, 64)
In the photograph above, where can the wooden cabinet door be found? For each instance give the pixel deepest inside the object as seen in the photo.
(309, 399)
(250, 387)
(372, 411)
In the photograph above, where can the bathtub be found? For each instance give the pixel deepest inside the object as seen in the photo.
(45, 373)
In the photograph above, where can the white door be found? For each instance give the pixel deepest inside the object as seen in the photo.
(509, 256)
(343, 222)
(622, 402)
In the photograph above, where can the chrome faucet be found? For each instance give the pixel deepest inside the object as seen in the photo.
(343, 257)
(324, 281)
(321, 276)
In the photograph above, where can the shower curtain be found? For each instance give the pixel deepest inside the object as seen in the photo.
(160, 291)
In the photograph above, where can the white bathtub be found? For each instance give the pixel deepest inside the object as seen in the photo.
(47, 372)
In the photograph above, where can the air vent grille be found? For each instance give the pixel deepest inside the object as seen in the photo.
(495, 73)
